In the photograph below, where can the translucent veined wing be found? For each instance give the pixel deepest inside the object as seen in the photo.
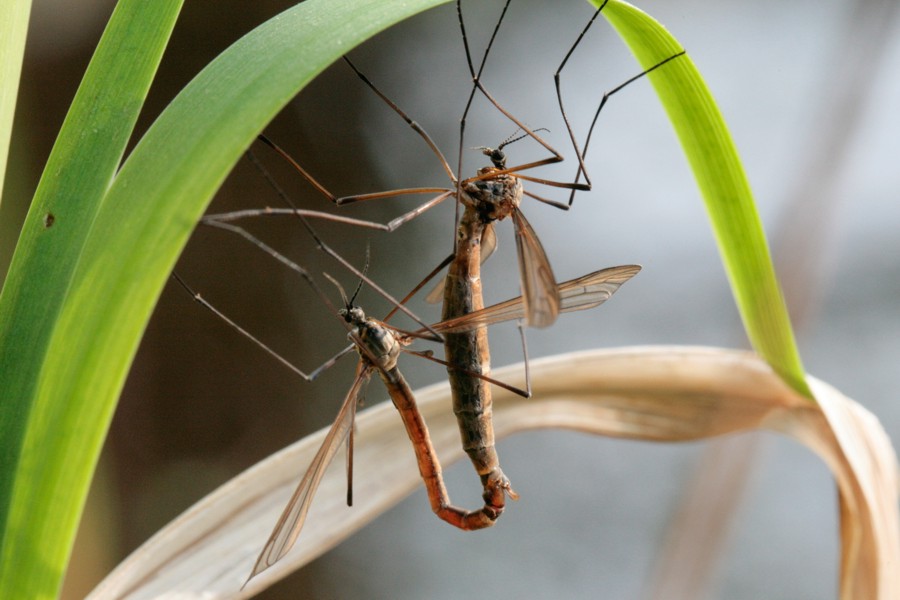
(488, 242)
(289, 524)
(488, 245)
(538, 283)
(578, 294)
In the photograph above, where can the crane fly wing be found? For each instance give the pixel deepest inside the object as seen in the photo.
(577, 294)
(488, 245)
(488, 242)
(436, 294)
(594, 289)
(538, 283)
(289, 524)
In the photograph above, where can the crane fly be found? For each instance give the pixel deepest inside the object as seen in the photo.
(494, 193)
(379, 346)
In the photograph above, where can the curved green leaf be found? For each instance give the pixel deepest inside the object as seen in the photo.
(723, 184)
(81, 292)
(13, 27)
(38, 510)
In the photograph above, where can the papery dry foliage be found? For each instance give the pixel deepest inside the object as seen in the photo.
(650, 393)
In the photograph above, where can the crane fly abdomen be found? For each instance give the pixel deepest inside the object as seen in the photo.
(468, 352)
(429, 465)
(379, 347)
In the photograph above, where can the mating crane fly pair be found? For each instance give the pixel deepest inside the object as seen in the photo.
(494, 193)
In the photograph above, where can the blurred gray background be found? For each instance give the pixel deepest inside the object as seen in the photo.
(808, 92)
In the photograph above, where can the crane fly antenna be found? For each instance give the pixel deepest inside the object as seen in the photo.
(361, 279)
(347, 303)
(498, 157)
(512, 138)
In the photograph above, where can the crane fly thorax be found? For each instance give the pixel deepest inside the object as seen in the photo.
(494, 197)
(381, 344)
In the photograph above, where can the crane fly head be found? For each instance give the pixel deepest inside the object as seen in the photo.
(351, 313)
(497, 156)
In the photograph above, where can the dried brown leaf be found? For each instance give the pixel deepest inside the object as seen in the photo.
(652, 393)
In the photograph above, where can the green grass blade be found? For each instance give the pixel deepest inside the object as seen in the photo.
(13, 28)
(723, 185)
(38, 506)
(90, 325)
